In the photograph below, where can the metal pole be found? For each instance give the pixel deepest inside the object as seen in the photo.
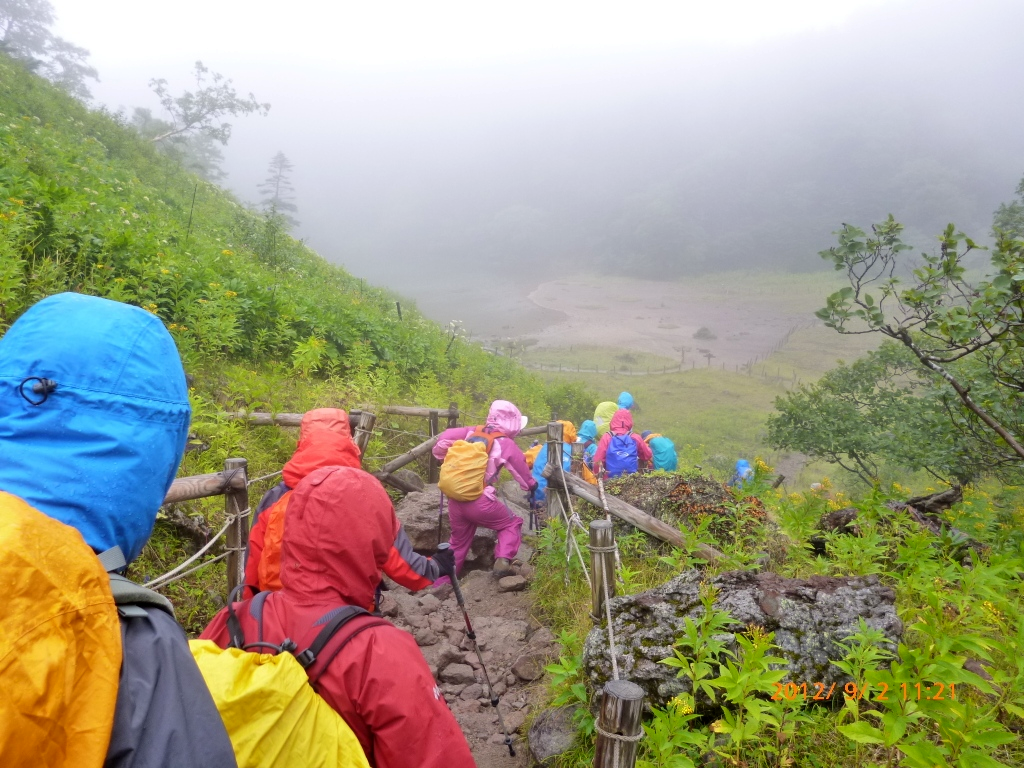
(471, 635)
(236, 501)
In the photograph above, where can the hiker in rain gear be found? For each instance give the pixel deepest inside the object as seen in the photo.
(339, 533)
(744, 474)
(605, 411)
(325, 439)
(620, 451)
(504, 422)
(589, 437)
(603, 416)
(664, 451)
(94, 669)
(530, 454)
(568, 438)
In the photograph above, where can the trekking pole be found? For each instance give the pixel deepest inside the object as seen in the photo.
(440, 516)
(608, 517)
(472, 636)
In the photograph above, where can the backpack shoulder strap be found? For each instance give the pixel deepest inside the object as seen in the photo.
(345, 616)
(132, 599)
(339, 619)
(479, 434)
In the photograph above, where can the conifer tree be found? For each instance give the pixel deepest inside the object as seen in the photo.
(278, 194)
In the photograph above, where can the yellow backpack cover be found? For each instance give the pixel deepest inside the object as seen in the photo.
(464, 472)
(274, 717)
(60, 643)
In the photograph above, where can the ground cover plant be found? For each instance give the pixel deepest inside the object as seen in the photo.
(951, 694)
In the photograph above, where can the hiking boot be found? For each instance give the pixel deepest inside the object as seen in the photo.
(502, 567)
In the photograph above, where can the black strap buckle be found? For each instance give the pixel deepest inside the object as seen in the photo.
(306, 658)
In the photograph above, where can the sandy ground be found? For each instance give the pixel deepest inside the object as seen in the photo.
(662, 317)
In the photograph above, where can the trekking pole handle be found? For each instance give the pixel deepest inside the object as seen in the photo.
(454, 579)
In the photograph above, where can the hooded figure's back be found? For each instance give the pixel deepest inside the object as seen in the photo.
(338, 532)
(94, 415)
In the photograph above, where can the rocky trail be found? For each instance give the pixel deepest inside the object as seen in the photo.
(515, 646)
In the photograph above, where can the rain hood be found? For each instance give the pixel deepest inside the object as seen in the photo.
(588, 431)
(625, 400)
(506, 417)
(325, 439)
(100, 451)
(622, 422)
(338, 535)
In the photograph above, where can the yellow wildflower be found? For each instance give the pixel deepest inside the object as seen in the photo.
(16, 201)
(215, 285)
(118, 279)
(680, 705)
(165, 271)
(228, 252)
(230, 294)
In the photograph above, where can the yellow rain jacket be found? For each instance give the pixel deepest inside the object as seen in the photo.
(60, 643)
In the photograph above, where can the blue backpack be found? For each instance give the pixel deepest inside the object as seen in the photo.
(622, 457)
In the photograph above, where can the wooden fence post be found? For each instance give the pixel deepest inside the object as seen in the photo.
(557, 504)
(433, 466)
(602, 566)
(236, 501)
(622, 705)
(364, 430)
(453, 415)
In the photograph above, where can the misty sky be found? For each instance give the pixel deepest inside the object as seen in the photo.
(648, 138)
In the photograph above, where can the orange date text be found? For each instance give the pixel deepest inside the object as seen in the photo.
(871, 691)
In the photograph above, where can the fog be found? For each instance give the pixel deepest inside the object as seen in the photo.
(688, 157)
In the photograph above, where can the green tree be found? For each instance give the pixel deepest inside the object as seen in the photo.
(197, 153)
(278, 199)
(202, 111)
(1009, 217)
(885, 412)
(25, 35)
(968, 334)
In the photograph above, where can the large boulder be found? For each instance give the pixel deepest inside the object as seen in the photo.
(808, 617)
(418, 514)
(553, 733)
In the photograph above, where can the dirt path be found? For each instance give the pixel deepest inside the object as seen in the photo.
(515, 648)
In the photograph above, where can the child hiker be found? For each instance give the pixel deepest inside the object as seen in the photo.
(474, 456)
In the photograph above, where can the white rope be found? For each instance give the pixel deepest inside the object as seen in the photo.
(264, 477)
(189, 571)
(618, 736)
(165, 578)
(568, 528)
(611, 634)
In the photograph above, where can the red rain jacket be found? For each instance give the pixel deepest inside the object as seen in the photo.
(325, 439)
(341, 527)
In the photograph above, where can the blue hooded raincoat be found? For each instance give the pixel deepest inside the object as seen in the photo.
(97, 449)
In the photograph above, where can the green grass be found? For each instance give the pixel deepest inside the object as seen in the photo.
(595, 358)
(723, 412)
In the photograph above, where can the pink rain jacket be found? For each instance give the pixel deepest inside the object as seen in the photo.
(506, 419)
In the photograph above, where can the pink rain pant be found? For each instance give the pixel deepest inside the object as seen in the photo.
(466, 516)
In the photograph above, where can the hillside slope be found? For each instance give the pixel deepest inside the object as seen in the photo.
(261, 321)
